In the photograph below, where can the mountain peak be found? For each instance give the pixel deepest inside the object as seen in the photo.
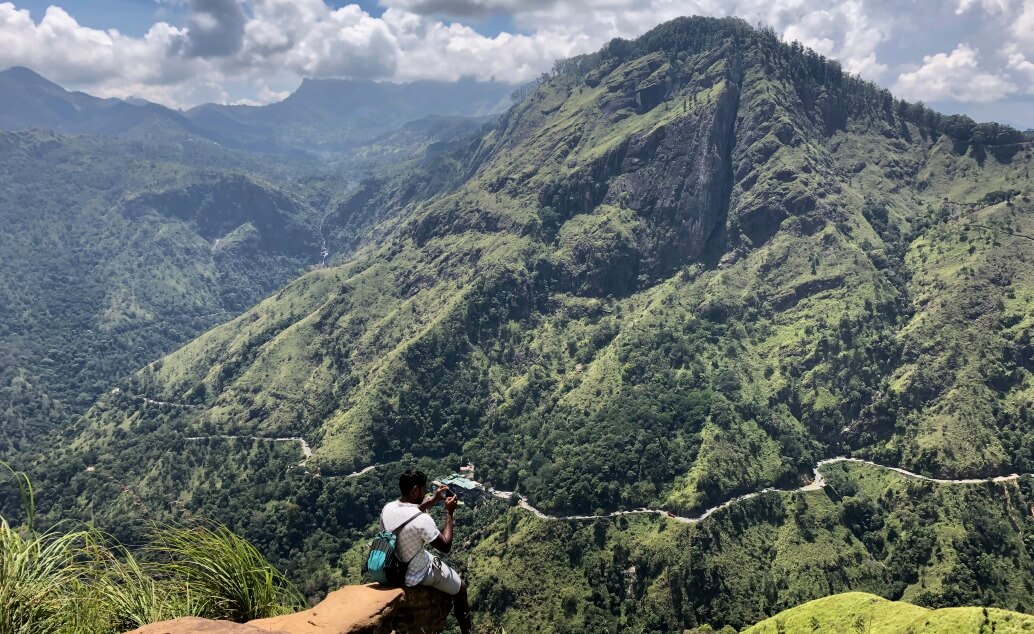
(27, 76)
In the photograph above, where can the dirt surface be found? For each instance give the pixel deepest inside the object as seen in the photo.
(191, 625)
(350, 610)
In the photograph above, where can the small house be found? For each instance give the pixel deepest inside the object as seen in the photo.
(467, 490)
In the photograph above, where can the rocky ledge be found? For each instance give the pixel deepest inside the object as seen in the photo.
(370, 609)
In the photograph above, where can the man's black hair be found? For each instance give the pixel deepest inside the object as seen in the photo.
(411, 478)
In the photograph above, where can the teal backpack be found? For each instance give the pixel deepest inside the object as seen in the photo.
(382, 563)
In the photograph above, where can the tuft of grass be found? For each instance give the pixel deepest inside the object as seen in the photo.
(233, 579)
(80, 582)
(131, 593)
(39, 575)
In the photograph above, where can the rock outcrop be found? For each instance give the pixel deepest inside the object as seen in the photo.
(369, 609)
(194, 625)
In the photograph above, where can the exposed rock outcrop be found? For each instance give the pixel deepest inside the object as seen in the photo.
(193, 625)
(370, 609)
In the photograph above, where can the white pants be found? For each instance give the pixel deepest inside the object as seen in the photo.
(442, 577)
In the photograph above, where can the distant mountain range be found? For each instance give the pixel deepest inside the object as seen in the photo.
(29, 100)
(323, 115)
(134, 227)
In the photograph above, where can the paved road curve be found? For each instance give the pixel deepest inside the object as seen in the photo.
(817, 483)
(306, 449)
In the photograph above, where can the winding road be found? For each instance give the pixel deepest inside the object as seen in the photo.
(819, 482)
(306, 449)
(151, 401)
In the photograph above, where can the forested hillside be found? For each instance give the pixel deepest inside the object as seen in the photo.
(123, 244)
(683, 268)
(115, 254)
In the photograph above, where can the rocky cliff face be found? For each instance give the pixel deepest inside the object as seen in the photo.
(367, 609)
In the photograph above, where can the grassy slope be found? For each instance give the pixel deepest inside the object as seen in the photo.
(857, 611)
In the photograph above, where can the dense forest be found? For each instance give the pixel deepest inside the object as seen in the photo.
(680, 269)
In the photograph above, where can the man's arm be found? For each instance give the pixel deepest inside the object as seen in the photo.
(431, 500)
(444, 541)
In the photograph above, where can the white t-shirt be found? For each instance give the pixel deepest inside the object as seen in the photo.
(410, 544)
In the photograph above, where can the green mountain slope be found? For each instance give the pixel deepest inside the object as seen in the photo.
(869, 531)
(683, 268)
(114, 256)
(867, 613)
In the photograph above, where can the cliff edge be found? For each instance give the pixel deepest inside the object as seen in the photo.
(369, 609)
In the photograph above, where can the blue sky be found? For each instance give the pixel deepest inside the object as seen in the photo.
(134, 17)
(971, 56)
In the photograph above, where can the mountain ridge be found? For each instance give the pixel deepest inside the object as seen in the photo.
(320, 116)
(648, 239)
(34, 101)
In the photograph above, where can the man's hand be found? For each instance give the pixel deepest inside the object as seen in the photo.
(451, 503)
(431, 500)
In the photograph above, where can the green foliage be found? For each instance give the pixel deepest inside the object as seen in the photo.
(79, 582)
(995, 197)
(754, 559)
(75, 582)
(129, 593)
(114, 255)
(856, 611)
(233, 580)
(39, 576)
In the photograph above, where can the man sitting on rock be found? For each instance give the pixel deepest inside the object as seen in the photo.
(424, 569)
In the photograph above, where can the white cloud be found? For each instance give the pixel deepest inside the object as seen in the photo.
(1019, 63)
(468, 8)
(848, 32)
(990, 6)
(953, 76)
(231, 50)
(110, 63)
(1023, 25)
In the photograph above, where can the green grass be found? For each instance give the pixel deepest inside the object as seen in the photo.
(83, 582)
(230, 579)
(865, 613)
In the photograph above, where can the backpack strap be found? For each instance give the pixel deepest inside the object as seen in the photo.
(398, 530)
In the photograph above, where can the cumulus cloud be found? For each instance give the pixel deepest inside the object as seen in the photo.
(1023, 26)
(1019, 63)
(467, 8)
(956, 75)
(991, 6)
(850, 32)
(67, 52)
(255, 50)
(215, 28)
